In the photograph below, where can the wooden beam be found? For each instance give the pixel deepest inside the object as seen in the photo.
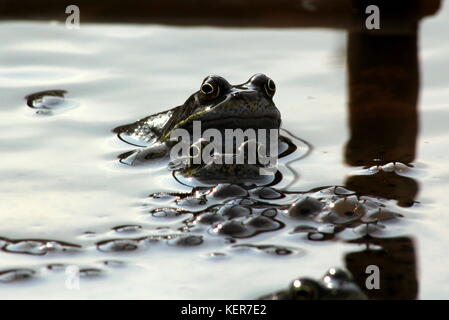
(224, 13)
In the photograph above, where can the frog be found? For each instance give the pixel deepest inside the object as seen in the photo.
(336, 284)
(216, 105)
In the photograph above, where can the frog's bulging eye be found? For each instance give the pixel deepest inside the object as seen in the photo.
(270, 87)
(209, 89)
(304, 290)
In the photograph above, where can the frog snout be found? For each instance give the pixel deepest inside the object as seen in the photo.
(247, 93)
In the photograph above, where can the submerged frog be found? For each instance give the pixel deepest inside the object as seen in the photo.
(217, 105)
(336, 284)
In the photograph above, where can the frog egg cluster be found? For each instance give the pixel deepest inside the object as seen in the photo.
(226, 216)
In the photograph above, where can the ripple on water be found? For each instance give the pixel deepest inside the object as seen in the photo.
(267, 193)
(89, 272)
(305, 206)
(167, 212)
(187, 241)
(270, 249)
(234, 211)
(12, 275)
(129, 228)
(118, 245)
(38, 247)
(50, 102)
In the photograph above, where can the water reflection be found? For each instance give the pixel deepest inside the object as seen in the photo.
(389, 185)
(396, 260)
(383, 86)
(383, 118)
(49, 102)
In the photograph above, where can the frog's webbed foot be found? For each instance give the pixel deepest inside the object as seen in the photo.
(155, 153)
(145, 131)
(279, 295)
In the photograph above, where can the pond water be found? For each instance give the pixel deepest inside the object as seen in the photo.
(61, 179)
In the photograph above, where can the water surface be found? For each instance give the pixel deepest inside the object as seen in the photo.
(61, 179)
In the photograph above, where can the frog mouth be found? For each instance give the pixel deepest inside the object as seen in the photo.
(241, 122)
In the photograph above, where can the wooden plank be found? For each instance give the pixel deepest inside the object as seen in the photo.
(345, 14)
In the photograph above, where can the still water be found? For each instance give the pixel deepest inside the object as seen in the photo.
(64, 193)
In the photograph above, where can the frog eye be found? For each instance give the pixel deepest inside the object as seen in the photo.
(270, 87)
(304, 289)
(338, 274)
(210, 89)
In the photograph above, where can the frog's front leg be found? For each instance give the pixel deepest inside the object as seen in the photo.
(155, 153)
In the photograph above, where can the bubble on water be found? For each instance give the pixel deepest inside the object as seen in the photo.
(305, 207)
(223, 191)
(161, 196)
(235, 211)
(400, 167)
(270, 249)
(267, 193)
(264, 223)
(56, 266)
(193, 201)
(90, 272)
(373, 169)
(167, 212)
(39, 247)
(382, 214)
(129, 228)
(187, 241)
(303, 229)
(118, 245)
(368, 228)
(113, 263)
(89, 234)
(370, 203)
(26, 246)
(327, 228)
(216, 255)
(232, 228)
(18, 274)
(345, 210)
(319, 236)
(270, 212)
(389, 167)
(49, 102)
(244, 202)
(209, 218)
(395, 167)
(341, 191)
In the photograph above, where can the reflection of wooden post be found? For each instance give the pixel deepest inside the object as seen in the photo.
(388, 185)
(383, 91)
(396, 260)
(383, 85)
